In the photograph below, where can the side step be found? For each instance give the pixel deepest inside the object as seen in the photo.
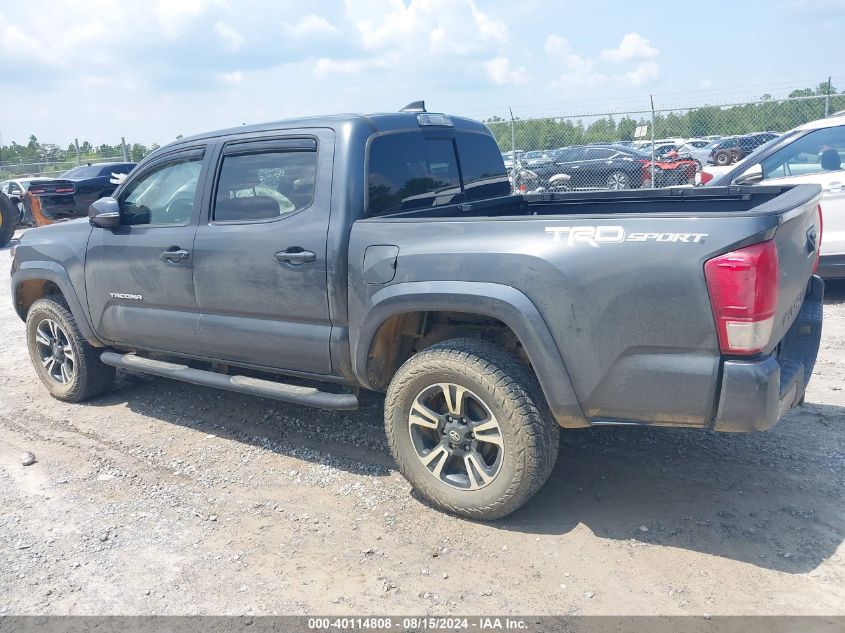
(307, 396)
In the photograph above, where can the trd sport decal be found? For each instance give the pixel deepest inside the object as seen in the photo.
(595, 235)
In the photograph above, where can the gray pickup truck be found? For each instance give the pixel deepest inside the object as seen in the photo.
(386, 252)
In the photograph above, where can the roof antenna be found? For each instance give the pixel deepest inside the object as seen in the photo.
(414, 106)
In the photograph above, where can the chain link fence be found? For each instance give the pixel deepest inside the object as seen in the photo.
(645, 146)
(55, 161)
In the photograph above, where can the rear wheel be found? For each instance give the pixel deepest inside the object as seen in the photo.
(467, 425)
(67, 364)
(618, 180)
(8, 219)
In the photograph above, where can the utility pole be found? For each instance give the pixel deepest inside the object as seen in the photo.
(76, 145)
(652, 140)
(827, 98)
(125, 153)
(513, 147)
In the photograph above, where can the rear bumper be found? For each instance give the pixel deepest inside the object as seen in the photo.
(756, 393)
(832, 267)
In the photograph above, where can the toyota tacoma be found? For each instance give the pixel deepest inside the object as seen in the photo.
(386, 252)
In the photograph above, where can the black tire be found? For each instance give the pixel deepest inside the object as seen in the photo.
(529, 435)
(90, 376)
(722, 159)
(734, 156)
(8, 219)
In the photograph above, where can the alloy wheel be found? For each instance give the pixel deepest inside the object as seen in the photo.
(456, 436)
(55, 351)
(617, 180)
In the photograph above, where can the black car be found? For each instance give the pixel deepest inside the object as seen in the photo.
(70, 195)
(597, 167)
(735, 148)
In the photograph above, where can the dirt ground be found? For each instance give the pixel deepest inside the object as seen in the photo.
(166, 498)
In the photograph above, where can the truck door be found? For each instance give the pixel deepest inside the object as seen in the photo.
(139, 276)
(260, 267)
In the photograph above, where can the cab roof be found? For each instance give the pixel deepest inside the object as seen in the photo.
(375, 122)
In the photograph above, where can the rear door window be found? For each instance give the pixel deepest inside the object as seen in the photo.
(264, 185)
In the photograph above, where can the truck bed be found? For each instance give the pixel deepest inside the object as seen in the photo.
(669, 201)
(618, 278)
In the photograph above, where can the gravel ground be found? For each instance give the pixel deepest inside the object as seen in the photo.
(166, 498)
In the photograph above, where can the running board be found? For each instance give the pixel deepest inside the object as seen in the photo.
(308, 396)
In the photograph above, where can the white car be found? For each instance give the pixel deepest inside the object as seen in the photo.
(698, 149)
(811, 153)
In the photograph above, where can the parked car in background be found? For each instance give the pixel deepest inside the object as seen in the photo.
(69, 196)
(536, 158)
(15, 190)
(615, 167)
(735, 148)
(697, 149)
(508, 158)
(813, 153)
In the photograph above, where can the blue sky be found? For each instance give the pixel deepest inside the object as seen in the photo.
(149, 70)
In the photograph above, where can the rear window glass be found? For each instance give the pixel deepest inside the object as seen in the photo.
(409, 171)
(83, 171)
(481, 167)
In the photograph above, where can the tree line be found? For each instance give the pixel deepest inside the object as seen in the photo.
(767, 114)
(29, 160)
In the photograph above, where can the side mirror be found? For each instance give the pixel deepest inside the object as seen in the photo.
(104, 213)
(750, 176)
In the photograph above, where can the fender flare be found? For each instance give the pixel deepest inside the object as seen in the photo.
(505, 303)
(54, 273)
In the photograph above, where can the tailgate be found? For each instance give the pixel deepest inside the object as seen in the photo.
(797, 240)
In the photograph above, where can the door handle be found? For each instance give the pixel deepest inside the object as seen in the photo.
(833, 187)
(296, 256)
(174, 254)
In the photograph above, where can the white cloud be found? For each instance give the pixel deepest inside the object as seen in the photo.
(576, 70)
(233, 78)
(500, 72)
(435, 27)
(230, 36)
(705, 84)
(632, 46)
(328, 66)
(643, 73)
(172, 15)
(310, 25)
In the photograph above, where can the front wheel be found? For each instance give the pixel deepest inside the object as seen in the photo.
(67, 364)
(723, 158)
(467, 425)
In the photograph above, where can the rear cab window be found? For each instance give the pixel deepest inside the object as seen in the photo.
(409, 170)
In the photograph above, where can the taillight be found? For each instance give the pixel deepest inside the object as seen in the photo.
(37, 191)
(819, 240)
(743, 287)
(65, 189)
(705, 177)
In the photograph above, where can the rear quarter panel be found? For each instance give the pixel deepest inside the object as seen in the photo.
(631, 319)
